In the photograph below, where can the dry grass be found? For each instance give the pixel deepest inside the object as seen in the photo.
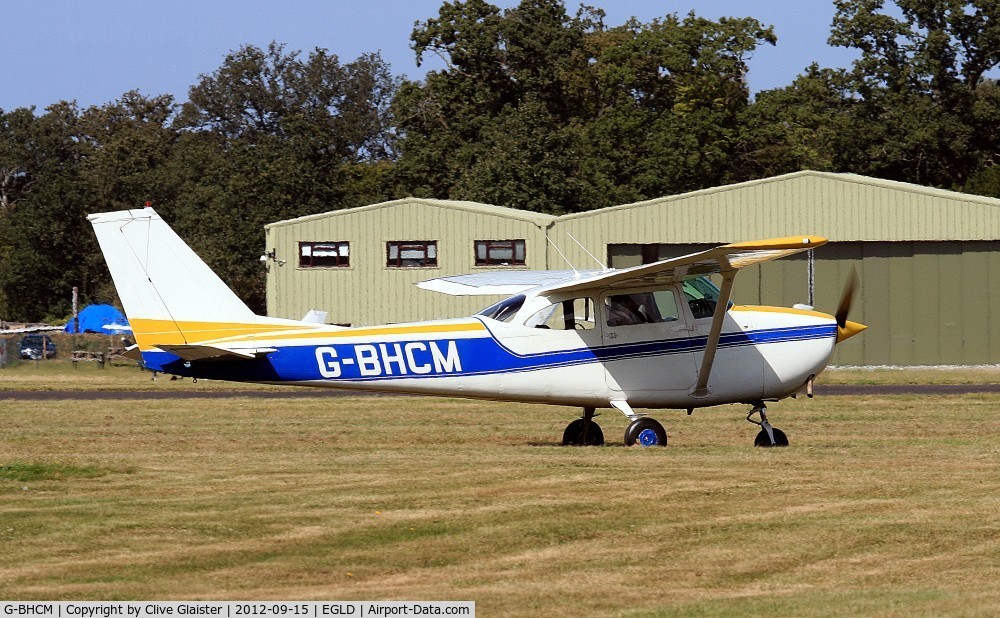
(920, 375)
(62, 374)
(887, 506)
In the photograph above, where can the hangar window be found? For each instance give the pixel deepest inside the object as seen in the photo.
(411, 254)
(499, 252)
(325, 254)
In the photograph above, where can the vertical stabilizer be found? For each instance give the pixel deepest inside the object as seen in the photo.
(169, 294)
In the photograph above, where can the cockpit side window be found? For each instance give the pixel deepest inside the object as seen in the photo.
(505, 310)
(641, 308)
(570, 314)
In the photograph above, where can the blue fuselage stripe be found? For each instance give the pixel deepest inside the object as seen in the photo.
(433, 358)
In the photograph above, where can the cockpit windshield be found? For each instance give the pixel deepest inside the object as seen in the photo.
(701, 295)
(505, 310)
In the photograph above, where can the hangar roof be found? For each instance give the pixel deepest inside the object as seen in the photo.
(539, 219)
(841, 207)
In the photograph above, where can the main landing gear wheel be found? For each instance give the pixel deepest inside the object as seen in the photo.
(584, 431)
(768, 436)
(645, 432)
(764, 440)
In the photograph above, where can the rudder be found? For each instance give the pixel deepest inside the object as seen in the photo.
(169, 294)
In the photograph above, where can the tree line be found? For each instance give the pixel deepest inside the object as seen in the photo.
(536, 108)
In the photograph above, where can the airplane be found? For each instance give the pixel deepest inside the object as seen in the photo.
(656, 336)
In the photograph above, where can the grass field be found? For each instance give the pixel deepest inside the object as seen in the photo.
(90, 376)
(881, 506)
(63, 374)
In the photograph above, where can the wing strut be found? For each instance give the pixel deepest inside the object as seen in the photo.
(721, 308)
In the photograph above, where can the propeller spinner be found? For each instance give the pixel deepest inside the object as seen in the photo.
(845, 328)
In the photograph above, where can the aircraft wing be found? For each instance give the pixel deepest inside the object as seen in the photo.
(725, 258)
(506, 283)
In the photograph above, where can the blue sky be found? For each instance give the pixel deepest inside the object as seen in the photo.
(94, 51)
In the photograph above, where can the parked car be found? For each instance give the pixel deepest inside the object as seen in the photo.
(34, 346)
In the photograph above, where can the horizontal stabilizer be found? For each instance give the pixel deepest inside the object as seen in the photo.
(315, 316)
(133, 353)
(211, 352)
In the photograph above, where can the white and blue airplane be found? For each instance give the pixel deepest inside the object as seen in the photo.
(661, 335)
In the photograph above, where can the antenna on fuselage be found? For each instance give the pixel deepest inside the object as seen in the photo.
(599, 263)
(562, 255)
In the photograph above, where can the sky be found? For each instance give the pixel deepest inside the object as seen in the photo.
(92, 52)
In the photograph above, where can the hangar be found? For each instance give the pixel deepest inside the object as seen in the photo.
(928, 259)
(360, 264)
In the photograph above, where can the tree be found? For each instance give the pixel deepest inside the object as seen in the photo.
(918, 85)
(45, 242)
(542, 111)
(18, 163)
(332, 111)
(672, 93)
(270, 136)
(915, 106)
(942, 48)
(806, 125)
(131, 141)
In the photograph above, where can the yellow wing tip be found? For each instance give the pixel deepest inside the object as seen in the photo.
(787, 242)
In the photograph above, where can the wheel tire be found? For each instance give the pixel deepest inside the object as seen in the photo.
(573, 436)
(645, 432)
(762, 440)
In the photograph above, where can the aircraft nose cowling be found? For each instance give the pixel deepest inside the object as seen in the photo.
(848, 330)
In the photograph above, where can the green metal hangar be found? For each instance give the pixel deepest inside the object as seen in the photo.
(360, 265)
(928, 259)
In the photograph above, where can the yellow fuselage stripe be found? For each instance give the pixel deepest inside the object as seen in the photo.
(150, 333)
(788, 310)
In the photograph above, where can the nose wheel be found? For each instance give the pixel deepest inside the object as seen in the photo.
(768, 436)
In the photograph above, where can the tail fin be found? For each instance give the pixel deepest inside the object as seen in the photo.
(169, 294)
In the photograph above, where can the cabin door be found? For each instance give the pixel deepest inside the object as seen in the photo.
(648, 342)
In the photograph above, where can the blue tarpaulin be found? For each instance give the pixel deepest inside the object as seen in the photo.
(103, 319)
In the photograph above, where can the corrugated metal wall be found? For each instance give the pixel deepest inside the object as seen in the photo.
(925, 303)
(841, 207)
(928, 259)
(368, 292)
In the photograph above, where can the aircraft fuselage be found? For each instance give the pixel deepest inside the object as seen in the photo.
(764, 353)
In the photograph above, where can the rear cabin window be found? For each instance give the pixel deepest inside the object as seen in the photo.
(571, 314)
(411, 254)
(326, 254)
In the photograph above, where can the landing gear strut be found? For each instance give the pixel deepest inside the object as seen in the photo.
(584, 431)
(768, 436)
(642, 430)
